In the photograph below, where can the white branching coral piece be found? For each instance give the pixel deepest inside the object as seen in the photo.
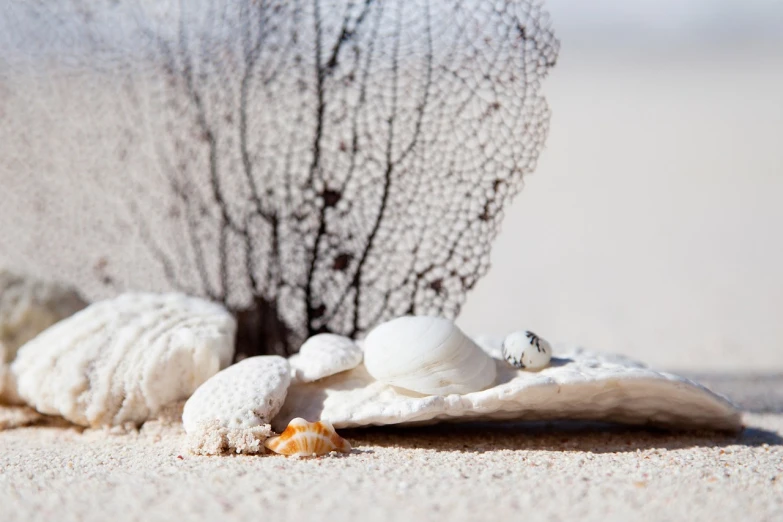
(27, 307)
(578, 385)
(323, 355)
(232, 410)
(120, 361)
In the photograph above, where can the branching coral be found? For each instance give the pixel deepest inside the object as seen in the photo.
(317, 166)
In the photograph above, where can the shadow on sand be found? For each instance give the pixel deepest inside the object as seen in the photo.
(591, 437)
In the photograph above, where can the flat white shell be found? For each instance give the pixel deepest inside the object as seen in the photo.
(120, 361)
(428, 355)
(28, 306)
(578, 385)
(323, 355)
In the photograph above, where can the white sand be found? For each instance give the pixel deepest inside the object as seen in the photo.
(536, 472)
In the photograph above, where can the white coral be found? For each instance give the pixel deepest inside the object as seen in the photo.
(120, 361)
(210, 438)
(27, 307)
(233, 409)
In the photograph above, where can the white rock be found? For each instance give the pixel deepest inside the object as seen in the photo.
(427, 355)
(577, 386)
(120, 361)
(233, 409)
(27, 307)
(526, 351)
(323, 355)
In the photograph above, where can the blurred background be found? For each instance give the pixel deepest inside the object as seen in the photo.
(653, 225)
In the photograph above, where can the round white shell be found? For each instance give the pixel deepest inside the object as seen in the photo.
(323, 355)
(120, 361)
(232, 410)
(527, 351)
(428, 355)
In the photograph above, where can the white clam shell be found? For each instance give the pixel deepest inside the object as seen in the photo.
(323, 355)
(578, 385)
(232, 410)
(427, 355)
(120, 361)
(526, 350)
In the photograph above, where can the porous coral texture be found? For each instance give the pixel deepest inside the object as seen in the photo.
(120, 361)
(233, 409)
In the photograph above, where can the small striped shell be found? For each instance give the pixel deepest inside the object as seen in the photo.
(308, 439)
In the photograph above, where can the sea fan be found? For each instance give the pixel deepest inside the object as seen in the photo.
(319, 166)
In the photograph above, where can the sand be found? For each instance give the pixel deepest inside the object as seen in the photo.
(538, 471)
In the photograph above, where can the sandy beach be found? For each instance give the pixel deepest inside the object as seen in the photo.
(479, 472)
(544, 471)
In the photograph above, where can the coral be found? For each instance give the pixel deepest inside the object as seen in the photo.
(212, 438)
(18, 416)
(122, 360)
(233, 409)
(318, 166)
(27, 307)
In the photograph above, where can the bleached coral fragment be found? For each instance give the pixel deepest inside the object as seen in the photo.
(121, 360)
(28, 306)
(233, 409)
